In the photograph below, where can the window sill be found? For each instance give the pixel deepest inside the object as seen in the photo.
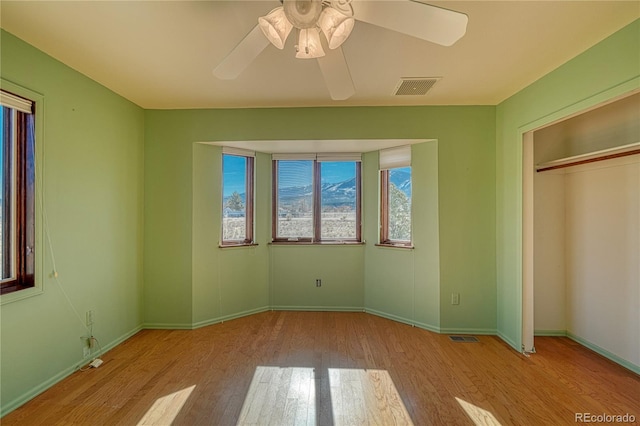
(14, 296)
(396, 246)
(238, 245)
(317, 243)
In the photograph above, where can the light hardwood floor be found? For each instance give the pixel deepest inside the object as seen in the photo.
(330, 368)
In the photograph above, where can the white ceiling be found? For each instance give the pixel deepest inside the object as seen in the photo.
(160, 54)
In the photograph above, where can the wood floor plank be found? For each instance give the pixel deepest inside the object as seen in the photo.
(276, 417)
(332, 368)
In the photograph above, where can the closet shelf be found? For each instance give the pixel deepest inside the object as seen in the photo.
(605, 154)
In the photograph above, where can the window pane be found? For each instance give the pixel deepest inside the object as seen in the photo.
(17, 201)
(3, 196)
(234, 205)
(338, 200)
(400, 204)
(30, 201)
(6, 194)
(295, 199)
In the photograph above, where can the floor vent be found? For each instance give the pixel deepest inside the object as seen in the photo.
(415, 86)
(464, 339)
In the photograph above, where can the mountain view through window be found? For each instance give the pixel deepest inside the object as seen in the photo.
(329, 190)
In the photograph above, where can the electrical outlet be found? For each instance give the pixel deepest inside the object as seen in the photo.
(89, 318)
(455, 298)
(86, 352)
(318, 282)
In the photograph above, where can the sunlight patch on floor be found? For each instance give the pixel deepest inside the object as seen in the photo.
(365, 397)
(479, 416)
(282, 396)
(294, 396)
(165, 409)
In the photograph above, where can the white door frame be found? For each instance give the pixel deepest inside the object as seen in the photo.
(528, 171)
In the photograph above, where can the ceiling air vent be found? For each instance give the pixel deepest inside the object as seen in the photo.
(415, 86)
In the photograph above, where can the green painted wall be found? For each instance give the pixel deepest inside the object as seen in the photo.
(92, 166)
(389, 272)
(232, 281)
(426, 231)
(294, 271)
(184, 270)
(605, 71)
(405, 284)
(167, 222)
(453, 229)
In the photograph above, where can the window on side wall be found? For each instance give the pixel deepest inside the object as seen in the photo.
(395, 197)
(17, 184)
(317, 198)
(237, 197)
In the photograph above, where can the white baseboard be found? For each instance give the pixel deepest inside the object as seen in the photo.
(224, 318)
(389, 316)
(605, 353)
(508, 341)
(476, 331)
(550, 333)
(166, 326)
(319, 308)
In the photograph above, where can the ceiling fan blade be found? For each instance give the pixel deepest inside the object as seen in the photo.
(424, 21)
(336, 75)
(242, 55)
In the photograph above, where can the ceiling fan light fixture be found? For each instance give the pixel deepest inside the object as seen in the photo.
(336, 26)
(309, 45)
(276, 27)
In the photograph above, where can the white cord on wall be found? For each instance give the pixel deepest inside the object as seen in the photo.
(54, 274)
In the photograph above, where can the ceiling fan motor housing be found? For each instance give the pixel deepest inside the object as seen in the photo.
(303, 14)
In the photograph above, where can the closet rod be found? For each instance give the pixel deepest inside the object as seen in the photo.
(590, 158)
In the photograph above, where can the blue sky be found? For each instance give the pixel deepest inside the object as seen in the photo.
(233, 174)
(292, 173)
(1, 131)
(338, 171)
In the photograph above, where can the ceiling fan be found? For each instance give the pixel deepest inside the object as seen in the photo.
(335, 19)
